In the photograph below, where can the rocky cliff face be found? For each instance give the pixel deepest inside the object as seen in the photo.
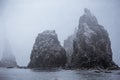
(92, 46)
(47, 51)
(8, 59)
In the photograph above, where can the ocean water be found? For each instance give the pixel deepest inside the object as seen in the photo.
(29, 74)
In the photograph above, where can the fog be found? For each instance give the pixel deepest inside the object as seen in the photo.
(22, 20)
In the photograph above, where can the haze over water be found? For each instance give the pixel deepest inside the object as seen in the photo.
(27, 74)
(22, 20)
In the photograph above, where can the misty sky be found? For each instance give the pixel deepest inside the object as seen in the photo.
(22, 20)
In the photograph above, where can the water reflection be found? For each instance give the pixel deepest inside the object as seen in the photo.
(45, 70)
(55, 74)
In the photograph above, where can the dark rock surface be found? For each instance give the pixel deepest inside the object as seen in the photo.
(92, 46)
(8, 59)
(47, 51)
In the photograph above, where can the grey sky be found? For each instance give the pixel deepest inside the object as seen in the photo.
(22, 20)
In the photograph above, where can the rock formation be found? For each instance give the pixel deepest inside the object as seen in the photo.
(68, 46)
(47, 51)
(8, 59)
(92, 46)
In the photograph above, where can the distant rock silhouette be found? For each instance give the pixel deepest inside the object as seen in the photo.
(8, 59)
(47, 51)
(92, 46)
(68, 46)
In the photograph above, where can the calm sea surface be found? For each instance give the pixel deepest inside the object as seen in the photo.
(28, 74)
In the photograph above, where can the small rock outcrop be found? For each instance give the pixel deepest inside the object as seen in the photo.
(92, 46)
(8, 59)
(47, 51)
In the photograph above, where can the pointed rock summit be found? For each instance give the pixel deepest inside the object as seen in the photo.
(47, 51)
(8, 59)
(88, 18)
(91, 46)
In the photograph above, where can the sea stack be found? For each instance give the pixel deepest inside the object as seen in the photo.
(68, 46)
(47, 51)
(8, 59)
(91, 46)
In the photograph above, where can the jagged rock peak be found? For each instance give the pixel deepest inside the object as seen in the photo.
(47, 51)
(48, 37)
(87, 11)
(88, 18)
(92, 46)
(49, 32)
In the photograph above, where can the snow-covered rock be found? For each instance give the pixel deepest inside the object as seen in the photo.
(92, 46)
(47, 51)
